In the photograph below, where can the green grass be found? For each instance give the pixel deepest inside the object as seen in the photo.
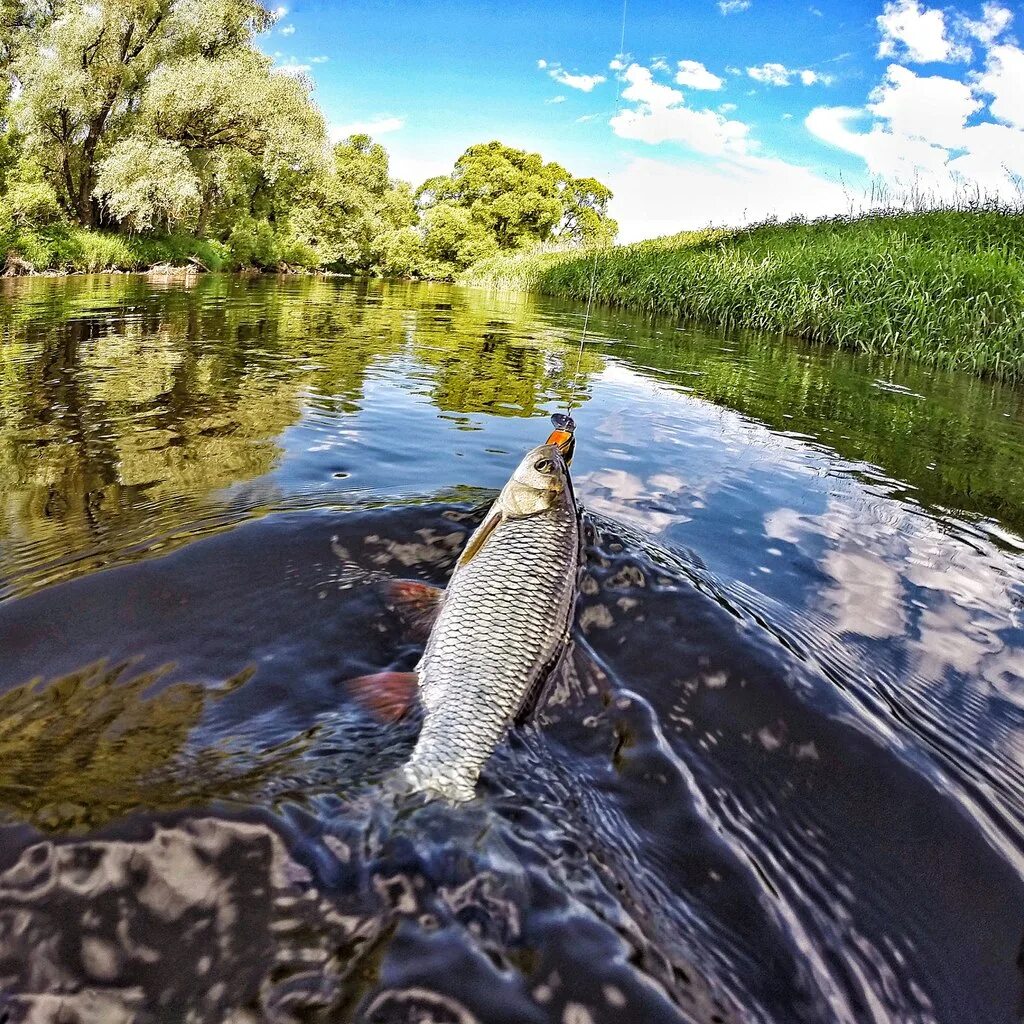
(61, 247)
(944, 287)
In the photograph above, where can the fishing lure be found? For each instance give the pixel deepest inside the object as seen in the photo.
(564, 435)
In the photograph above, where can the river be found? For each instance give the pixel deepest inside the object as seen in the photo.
(779, 779)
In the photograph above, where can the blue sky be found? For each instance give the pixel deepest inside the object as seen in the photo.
(713, 112)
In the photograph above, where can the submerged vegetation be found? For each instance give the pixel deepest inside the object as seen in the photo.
(137, 133)
(945, 287)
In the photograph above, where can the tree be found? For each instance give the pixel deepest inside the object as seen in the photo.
(357, 215)
(585, 212)
(452, 240)
(147, 183)
(519, 200)
(235, 117)
(84, 66)
(512, 194)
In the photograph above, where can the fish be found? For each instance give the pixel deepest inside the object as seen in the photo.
(501, 627)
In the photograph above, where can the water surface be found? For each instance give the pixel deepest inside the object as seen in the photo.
(781, 777)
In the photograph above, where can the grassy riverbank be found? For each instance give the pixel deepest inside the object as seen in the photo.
(62, 248)
(943, 287)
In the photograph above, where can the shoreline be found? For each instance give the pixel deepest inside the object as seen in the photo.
(943, 288)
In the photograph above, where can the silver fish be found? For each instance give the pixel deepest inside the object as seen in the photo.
(502, 624)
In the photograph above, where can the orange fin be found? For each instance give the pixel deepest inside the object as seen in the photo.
(417, 605)
(479, 539)
(387, 695)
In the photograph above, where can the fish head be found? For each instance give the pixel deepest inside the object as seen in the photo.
(537, 484)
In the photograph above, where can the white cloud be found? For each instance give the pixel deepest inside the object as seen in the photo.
(726, 108)
(1003, 80)
(733, 6)
(292, 69)
(617, 65)
(896, 159)
(921, 137)
(660, 64)
(995, 19)
(278, 13)
(656, 197)
(779, 74)
(381, 125)
(287, 30)
(660, 115)
(556, 99)
(916, 33)
(319, 60)
(934, 109)
(585, 83)
(693, 75)
(770, 74)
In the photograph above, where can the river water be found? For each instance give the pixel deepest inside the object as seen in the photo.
(780, 778)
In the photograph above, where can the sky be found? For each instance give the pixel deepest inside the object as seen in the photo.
(694, 112)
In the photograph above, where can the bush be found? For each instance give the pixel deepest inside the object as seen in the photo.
(65, 248)
(257, 243)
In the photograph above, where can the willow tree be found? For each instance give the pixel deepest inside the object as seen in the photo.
(83, 69)
(225, 130)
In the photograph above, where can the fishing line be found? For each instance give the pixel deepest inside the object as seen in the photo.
(570, 402)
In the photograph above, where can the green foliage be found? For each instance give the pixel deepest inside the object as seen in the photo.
(152, 116)
(402, 253)
(257, 243)
(85, 67)
(516, 200)
(353, 214)
(65, 247)
(585, 219)
(147, 183)
(945, 287)
(28, 201)
(453, 239)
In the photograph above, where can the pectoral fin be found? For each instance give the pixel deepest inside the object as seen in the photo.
(480, 538)
(416, 604)
(386, 695)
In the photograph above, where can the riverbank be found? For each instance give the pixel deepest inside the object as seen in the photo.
(945, 288)
(63, 249)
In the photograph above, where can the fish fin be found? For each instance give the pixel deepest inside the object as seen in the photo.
(540, 690)
(480, 538)
(387, 695)
(417, 605)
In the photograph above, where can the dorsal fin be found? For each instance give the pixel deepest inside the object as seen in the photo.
(480, 538)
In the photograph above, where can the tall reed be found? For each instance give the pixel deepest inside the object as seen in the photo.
(945, 287)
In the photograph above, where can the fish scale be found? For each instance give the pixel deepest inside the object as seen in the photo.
(504, 618)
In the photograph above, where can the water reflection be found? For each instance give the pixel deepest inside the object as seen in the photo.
(779, 780)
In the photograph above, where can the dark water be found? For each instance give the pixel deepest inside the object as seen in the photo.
(781, 777)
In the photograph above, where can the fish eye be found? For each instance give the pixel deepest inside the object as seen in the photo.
(544, 466)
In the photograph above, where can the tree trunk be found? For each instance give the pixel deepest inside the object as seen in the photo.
(204, 214)
(86, 179)
(69, 183)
